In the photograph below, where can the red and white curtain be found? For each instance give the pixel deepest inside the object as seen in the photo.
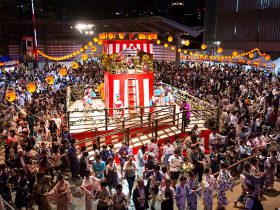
(117, 46)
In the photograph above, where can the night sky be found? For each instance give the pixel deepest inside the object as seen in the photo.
(191, 14)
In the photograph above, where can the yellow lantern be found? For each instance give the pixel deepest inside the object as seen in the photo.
(85, 47)
(165, 45)
(220, 50)
(170, 39)
(187, 42)
(158, 41)
(49, 80)
(179, 50)
(63, 72)
(251, 55)
(84, 57)
(203, 46)
(31, 87)
(121, 36)
(93, 49)
(95, 39)
(273, 65)
(172, 48)
(100, 42)
(74, 54)
(110, 35)
(10, 95)
(82, 50)
(267, 57)
(191, 53)
(90, 44)
(75, 65)
(234, 53)
(185, 51)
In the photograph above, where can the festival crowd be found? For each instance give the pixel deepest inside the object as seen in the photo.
(41, 156)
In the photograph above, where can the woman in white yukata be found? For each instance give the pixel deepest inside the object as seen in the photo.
(182, 191)
(118, 108)
(224, 182)
(195, 188)
(89, 187)
(208, 183)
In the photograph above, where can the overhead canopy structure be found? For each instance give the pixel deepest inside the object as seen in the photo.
(58, 30)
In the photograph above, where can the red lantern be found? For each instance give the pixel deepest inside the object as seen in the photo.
(131, 36)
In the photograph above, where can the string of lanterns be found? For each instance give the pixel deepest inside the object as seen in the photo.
(90, 46)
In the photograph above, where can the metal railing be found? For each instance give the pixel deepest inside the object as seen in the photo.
(240, 163)
(150, 126)
(195, 102)
(107, 118)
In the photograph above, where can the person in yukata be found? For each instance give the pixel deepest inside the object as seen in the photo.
(182, 190)
(224, 182)
(118, 108)
(208, 183)
(194, 191)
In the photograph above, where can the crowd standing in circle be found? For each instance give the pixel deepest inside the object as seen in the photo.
(40, 152)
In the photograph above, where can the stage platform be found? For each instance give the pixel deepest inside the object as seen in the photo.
(81, 120)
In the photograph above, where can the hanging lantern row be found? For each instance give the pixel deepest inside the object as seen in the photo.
(90, 46)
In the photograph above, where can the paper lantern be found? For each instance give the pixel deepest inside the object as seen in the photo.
(102, 36)
(10, 95)
(273, 65)
(203, 46)
(170, 39)
(251, 55)
(63, 72)
(93, 49)
(110, 35)
(191, 53)
(187, 42)
(84, 57)
(81, 49)
(172, 48)
(158, 41)
(31, 87)
(267, 57)
(185, 51)
(183, 42)
(100, 42)
(85, 47)
(49, 80)
(90, 44)
(121, 36)
(220, 50)
(75, 65)
(131, 36)
(165, 45)
(234, 53)
(95, 39)
(179, 50)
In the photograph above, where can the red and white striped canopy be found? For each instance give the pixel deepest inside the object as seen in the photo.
(116, 46)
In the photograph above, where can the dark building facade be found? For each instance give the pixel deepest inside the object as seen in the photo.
(243, 24)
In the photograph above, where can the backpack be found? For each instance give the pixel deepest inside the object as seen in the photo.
(257, 203)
